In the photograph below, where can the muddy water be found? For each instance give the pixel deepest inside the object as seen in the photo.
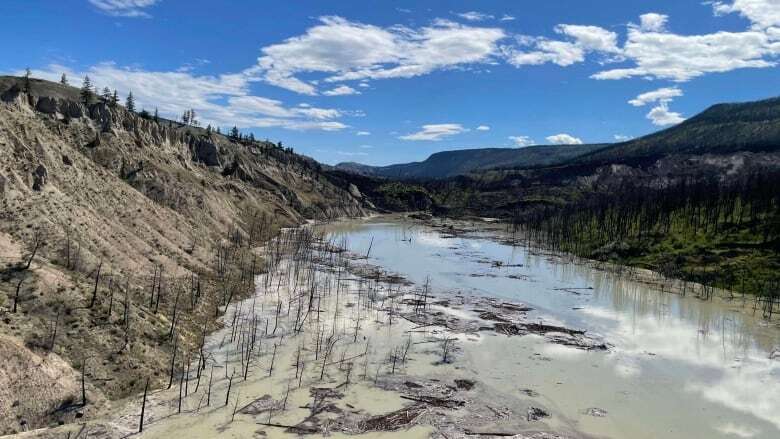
(679, 367)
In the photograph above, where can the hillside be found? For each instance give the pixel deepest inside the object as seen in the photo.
(697, 201)
(113, 204)
(720, 129)
(452, 163)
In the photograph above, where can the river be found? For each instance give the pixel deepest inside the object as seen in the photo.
(678, 367)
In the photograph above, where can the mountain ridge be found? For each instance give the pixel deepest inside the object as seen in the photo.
(722, 128)
(446, 164)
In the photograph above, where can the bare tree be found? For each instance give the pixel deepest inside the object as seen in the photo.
(38, 240)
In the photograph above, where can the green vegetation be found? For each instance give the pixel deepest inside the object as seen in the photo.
(720, 235)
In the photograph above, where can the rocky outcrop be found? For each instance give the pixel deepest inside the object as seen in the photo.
(206, 152)
(39, 178)
(354, 191)
(47, 105)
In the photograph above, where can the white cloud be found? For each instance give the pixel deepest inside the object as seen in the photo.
(653, 22)
(590, 37)
(622, 137)
(342, 50)
(342, 90)
(762, 13)
(521, 141)
(435, 132)
(363, 133)
(583, 39)
(661, 115)
(124, 8)
(506, 17)
(558, 52)
(366, 146)
(660, 54)
(483, 128)
(665, 94)
(564, 139)
(657, 53)
(222, 100)
(474, 16)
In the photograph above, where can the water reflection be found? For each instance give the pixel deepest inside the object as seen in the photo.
(669, 346)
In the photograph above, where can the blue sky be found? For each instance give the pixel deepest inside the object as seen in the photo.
(388, 82)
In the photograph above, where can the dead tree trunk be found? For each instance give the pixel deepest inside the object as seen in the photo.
(16, 296)
(97, 281)
(143, 407)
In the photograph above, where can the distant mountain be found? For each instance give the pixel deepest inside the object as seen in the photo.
(452, 163)
(720, 129)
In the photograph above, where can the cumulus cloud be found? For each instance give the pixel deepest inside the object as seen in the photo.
(660, 115)
(222, 100)
(653, 22)
(483, 128)
(545, 51)
(656, 52)
(342, 90)
(762, 13)
(474, 16)
(342, 50)
(564, 139)
(582, 40)
(590, 37)
(665, 94)
(124, 8)
(659, 54)
(435, 132)
(521, 141)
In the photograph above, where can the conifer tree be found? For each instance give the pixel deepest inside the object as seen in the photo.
(156, 115)
(64, 79)
(234, 133)
(106, 97)
(130, 102)
(114, 101)
(86, 91)
(27, 74)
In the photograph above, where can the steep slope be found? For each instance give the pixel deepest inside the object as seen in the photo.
(120, 204)
(452, 163)
(135, 188)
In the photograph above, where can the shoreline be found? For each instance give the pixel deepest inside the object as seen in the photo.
(410, 383)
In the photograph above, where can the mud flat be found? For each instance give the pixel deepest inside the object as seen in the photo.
(332, 345)
(414, 331)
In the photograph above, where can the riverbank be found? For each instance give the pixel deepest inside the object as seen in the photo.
(331, 344)
(495, 229)
(419, 332)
